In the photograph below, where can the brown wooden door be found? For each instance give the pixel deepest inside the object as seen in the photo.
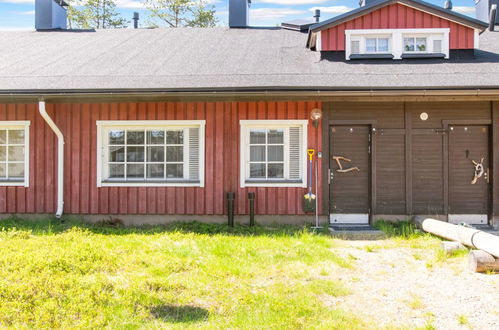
(468, 144)
(350, 184)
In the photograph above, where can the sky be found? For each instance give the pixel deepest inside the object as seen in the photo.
(19, 14)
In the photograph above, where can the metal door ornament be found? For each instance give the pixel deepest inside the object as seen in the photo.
(479, 171)
(338, 160)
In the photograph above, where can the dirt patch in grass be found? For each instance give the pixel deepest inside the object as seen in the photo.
(395, 285)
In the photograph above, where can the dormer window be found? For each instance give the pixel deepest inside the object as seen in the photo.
(377, 45)
(413, 44)
(397, 43)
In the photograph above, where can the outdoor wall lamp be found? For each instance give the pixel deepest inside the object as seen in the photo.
(316, 115)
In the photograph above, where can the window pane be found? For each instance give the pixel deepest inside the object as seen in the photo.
(135, 137)
(155, 171)
(276, 170)
(135, 154)
(155, 154)
(16, 154)
(3, 137)
(421, 44)
(174, 171)
(3, 153)
(355, 47)
(382, 44)
(409, 44)
(116, 137)
(257, 136)
(16, 170)
(257, 153)
(257, 170)
(155, 137)
(276, 136)
(174, 154)
(175, 137)
(371, 45)
(16, 136)
(135, 171)
(275, 153)
(117, 154)
(437, 46)
(3, 170)
(116, 171)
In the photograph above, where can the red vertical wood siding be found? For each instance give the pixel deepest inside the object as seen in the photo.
(81, 194)
(397, 16)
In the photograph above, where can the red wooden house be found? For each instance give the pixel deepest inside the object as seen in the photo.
(159, 125)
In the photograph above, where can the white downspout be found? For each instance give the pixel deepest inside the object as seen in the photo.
(60, 157)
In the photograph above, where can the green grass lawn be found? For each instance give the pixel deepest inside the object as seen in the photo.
(74, 275)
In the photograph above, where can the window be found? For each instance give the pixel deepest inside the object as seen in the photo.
(397, 43)
(273, 152)
(415, 44)
(377, 45)
(14, 153)
(151, 153)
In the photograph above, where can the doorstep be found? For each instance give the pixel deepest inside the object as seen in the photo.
(354, 232)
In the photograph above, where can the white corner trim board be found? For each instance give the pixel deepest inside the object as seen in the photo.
(396, 40)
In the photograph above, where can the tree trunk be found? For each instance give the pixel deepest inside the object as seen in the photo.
(468, 236)
(480, 261)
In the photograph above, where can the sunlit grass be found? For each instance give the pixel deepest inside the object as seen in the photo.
(75, 275)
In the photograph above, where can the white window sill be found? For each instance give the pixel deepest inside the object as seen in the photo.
(274, 183)
(13, 183)
(169, 183)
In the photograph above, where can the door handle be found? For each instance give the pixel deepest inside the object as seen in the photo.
(330, 176)
(486, 175)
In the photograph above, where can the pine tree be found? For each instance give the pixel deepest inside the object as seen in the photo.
(181, 13)
(94, 14)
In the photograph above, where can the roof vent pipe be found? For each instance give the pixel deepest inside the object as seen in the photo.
(60, 156)
(135, 20)
(492, 17)
(317, 15)
(448, 4)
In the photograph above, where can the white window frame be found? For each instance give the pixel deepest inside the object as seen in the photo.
(18, 125)
(246, 126)
(103, 126)
(396, 42)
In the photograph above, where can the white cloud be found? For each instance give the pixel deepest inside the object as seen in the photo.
(263, 14)
(332, 9)
(129, 4)
(464, 9)
(291, 2)
(29, 12)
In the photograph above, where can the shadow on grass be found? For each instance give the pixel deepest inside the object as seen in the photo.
(52, 225)
(179, 314)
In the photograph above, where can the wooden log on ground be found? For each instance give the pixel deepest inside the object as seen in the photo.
(480, 261)
(450, 247)
(471, 237)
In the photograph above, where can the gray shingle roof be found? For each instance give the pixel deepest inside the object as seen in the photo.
(215, 58)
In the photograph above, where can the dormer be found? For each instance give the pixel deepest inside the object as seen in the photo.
(396, 29)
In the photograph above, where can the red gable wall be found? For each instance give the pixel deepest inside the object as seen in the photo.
(397, 16)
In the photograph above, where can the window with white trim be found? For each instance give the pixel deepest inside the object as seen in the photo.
(151, 153)
(273, 152)
(14, 153)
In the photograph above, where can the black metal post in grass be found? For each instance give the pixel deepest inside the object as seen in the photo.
(230, 208)
(251, 197)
